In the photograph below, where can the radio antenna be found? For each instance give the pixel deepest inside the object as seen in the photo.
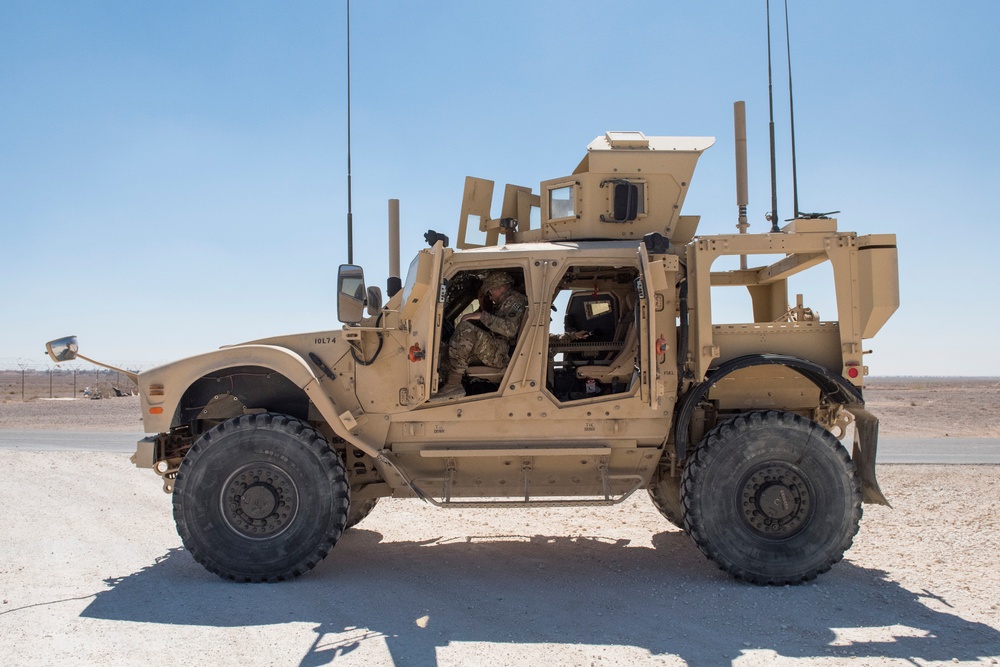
(773, 215)
(791, 115)
(350, 217)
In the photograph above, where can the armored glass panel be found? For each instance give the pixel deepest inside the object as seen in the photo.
(562, 202)
(411, 277)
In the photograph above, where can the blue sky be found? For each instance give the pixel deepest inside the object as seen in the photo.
(173, 176)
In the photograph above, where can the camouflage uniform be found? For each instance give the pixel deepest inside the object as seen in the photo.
(489, 343)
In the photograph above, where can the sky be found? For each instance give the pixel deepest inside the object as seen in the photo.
(173, 176)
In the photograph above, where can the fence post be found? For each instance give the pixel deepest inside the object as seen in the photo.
(23, 365)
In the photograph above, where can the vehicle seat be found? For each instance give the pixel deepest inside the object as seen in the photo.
(495, 375)
(621, 366)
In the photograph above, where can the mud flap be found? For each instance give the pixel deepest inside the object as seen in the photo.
(865, 446)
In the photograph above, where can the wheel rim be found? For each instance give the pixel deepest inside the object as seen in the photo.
(259, 501)
(775, 500)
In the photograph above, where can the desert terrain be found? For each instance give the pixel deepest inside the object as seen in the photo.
(93, 572)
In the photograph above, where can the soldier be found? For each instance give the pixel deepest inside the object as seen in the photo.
(485, 336)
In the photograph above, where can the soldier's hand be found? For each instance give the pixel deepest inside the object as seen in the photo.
(472, 316)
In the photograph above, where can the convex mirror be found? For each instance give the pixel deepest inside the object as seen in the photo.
(63, 349)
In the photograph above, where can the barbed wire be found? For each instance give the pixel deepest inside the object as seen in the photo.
(45, 364)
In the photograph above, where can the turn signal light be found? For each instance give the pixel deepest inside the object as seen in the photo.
(156, 411)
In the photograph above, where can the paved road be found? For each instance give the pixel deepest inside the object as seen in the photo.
(890, 450)
(938, 450)
(82, 441)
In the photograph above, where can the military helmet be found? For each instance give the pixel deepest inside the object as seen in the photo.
(496, 279)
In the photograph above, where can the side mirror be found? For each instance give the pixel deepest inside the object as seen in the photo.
(351, 293)
(67, 349)
(374, 301)
(63, 349)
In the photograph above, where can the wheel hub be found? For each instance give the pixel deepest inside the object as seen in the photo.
(775, 500)
(259, 501)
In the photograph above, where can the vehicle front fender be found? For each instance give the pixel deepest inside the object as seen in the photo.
(161, 389)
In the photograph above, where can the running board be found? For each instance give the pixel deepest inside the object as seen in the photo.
(607, 497)
(515, 451)
(577, 502)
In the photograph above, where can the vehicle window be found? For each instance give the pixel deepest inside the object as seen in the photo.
(597, 308)
(562, 202)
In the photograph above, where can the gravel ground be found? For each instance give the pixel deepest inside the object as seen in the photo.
(93, 572)
(111, 414)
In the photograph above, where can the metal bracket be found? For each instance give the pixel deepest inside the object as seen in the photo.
(602, 465)
(450, 468)
(526, 469)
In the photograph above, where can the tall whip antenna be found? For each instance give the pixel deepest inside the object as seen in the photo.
(791, 115)
(773, 216)
(350, 217)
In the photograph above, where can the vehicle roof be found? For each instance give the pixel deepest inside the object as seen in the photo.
(549, 247)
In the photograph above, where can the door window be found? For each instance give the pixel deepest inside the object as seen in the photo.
(592, 337)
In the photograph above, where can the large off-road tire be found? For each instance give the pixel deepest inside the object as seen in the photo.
(771, 498)
(359, 511)
(260, 498)
(665, 492)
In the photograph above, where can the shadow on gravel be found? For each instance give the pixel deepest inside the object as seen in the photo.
(419, 596)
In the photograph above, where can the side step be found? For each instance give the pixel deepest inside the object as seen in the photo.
(526, 456)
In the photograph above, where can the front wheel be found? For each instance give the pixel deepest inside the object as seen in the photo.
(771, 498)
(260, 498)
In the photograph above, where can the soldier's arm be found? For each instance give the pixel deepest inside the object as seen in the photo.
(507, 320)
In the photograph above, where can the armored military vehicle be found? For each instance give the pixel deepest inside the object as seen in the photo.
(619, 381)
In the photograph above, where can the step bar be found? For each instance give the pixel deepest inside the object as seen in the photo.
(525, 454)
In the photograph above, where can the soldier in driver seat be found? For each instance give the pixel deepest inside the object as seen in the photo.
(484, 335)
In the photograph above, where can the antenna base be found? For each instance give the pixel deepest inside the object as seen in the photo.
(773, 219)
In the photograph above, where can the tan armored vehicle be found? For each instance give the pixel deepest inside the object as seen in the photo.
(618, 381)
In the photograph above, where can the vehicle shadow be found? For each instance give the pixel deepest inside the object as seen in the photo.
(668, 600)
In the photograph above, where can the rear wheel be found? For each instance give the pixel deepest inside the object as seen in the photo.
(771, 498)
(260, 498)
(665, 493)
(359, 511)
